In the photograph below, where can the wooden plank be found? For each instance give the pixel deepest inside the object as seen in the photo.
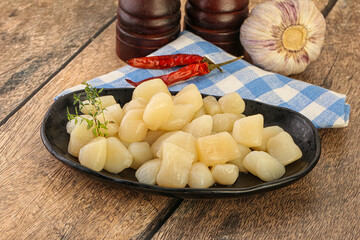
(42, 36)
(41, 198)
(323, 205)
(38, 37)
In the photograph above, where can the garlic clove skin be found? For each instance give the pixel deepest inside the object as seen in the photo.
(284, 36)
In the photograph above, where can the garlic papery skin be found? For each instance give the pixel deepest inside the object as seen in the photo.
(283, 36)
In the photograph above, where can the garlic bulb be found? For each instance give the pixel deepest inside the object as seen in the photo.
(283, 36)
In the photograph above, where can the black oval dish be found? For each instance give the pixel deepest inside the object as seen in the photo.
(305, 135)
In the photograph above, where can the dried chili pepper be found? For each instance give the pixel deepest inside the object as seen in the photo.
(167, 61)
(185, 73)
(182, 74)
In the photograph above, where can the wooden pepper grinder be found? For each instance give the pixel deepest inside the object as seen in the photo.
(218, 21)
(144, 26)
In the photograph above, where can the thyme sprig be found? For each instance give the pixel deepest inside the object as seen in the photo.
(93, 106)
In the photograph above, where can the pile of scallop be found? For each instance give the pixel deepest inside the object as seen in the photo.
(183, 140)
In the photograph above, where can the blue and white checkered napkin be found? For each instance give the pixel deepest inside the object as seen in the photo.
(325, 108)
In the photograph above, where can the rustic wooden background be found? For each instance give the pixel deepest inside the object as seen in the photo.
(47, 46)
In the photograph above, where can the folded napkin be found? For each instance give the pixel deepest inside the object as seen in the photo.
(325, 108)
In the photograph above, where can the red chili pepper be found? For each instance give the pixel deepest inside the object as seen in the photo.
(166, 61)
(185, 73)
(182, 74)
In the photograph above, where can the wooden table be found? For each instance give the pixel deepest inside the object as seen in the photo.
(47, 46)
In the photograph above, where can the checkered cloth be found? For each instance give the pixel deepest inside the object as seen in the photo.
(325, 108)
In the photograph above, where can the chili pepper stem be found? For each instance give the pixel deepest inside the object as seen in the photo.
(213, 66)
(205, 59)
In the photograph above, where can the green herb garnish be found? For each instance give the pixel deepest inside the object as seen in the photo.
(93, 105)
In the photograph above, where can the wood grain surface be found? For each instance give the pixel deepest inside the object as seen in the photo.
(323, 205)
(39, 37)
(40, 198)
